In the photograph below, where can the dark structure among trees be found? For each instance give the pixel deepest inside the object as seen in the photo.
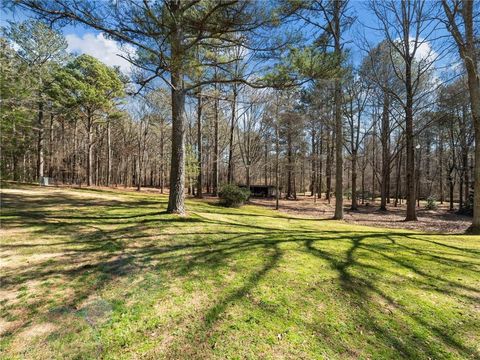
(265, 191)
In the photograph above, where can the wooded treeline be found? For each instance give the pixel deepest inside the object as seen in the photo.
(234, 93)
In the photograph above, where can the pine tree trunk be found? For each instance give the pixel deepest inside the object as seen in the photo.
(50, 147)
(338, 153)
(109, 154)
(320, 164)
(277, 165)
(176, 199)
(232, 129)
(162, 155)
(75, 148)
(215, 150)
(313, 183)
(89, 149)
(199, 146)
(338, 121)
(328, 170)
(40, 144)
(290, 167)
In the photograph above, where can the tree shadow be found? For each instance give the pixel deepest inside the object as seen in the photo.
(96, 250)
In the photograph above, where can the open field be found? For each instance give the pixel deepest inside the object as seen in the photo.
(88, 274)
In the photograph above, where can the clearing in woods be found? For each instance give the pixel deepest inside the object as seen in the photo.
(108, 274)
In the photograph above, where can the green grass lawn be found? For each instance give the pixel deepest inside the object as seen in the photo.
(89, 274)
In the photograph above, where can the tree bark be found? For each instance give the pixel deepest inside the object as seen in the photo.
(320, 163)
(199, 146)
(176, 199)
(328, 190)
(385, 153)
(89, 149)
(338, 120)
(468, 52)
(452, 187)
(313, 183)
(232, 129)
(109, 154)
(354, 181)
(50, 147)
(277, 165)
(410, 172)
(290, 166)
(266, 164)
(215, 150)
(162, 155)
(440, 165)
(40, 143)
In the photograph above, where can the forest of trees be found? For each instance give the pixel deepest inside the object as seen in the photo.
(249, 92)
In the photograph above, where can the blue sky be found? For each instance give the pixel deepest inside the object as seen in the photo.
(86, 40)
(81, 40)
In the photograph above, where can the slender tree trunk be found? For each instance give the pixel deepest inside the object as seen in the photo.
(40, 143)
(338, 153)
(162, 155)
(338, 120)
(266, 164)
(374, 162)
(440, 165)
(398, 178)
(64, 158)
(460, 192)
(320, 163)
(199, 146)
(89, 149)
(314, 163)
(465, 150)
(452, 187)
(50, 147)
(215, 150)
(109, 154)
(15, 154)
(75, 150)
(385, 153)
(328, 170)
(277, 165)
(294, 184)
(410, 172)
(139, 166)
(232, 129)
(354, 181)
(417, 178)
(363, 181)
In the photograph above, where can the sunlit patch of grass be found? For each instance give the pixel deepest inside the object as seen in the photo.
(119, 278)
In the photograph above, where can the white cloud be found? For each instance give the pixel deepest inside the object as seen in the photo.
(97, 45)
(424, 51)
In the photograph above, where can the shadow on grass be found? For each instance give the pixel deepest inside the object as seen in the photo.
(94, 253)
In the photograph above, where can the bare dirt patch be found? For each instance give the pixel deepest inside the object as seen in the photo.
(436, 221)
(26, 336)
(8, 326)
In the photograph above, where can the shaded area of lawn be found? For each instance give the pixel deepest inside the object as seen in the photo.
(93, 274)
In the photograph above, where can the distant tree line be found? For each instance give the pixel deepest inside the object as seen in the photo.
(234, 92)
